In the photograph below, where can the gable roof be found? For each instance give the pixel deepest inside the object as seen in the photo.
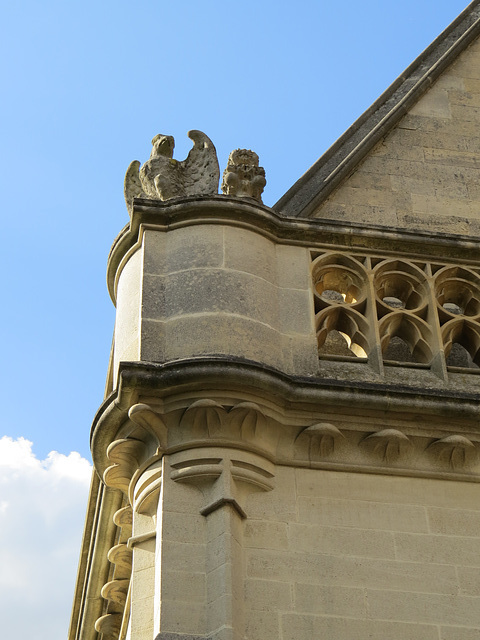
(303, 198)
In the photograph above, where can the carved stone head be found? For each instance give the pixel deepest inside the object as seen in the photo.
(162, 146)
(243, 177)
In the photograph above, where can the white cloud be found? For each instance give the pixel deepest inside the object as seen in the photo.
(42, 511)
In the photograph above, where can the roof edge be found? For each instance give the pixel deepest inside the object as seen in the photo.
(318, 182)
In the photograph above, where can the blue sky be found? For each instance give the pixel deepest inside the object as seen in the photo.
(88, 84)
(86, 87)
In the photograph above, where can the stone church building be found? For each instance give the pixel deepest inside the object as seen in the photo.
(289, 445)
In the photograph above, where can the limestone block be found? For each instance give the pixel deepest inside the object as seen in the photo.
(180, 249)
(301, 355)
(184, 556)
(250, 252)
(439, 549)
(351, 571)
(366, 197)
(459, 633)
(153, 338)
(305, 627)
(210, 291)
(220, 551)
(267, 595)
(362, 514)
(443, 206)
(330, 600)
(183, 585)
(220, 521)
(155, 247)
(428, 608)
(182, 616)
(296, 311)
(141, 621)
(425, 221)
(144, 556)
(153, 298)
(466, 113)
(266, 535)
(217, 584)
(221, 610)
(278, 505)
(183, 527)
(262, 625)
(406, 184)
(451, 157)
(434, 104)
(144, 584)
(396, 490)
(340, 541)
(454, 522)
(451, 80)
(469, 580)
(376, 181)
(293, 267)
(127, 327)
(214, 334)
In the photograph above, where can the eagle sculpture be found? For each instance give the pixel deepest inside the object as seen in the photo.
(163, 178)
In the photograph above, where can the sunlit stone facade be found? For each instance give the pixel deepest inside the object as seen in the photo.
(289, 444)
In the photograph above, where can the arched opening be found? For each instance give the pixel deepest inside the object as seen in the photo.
(461, 340)
(399, 285)
(405, 338)
(342, 332)
(398, 351)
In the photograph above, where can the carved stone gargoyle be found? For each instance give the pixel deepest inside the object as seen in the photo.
(163, 178)
(243, 177)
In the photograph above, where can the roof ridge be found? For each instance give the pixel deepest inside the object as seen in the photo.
(318, 182)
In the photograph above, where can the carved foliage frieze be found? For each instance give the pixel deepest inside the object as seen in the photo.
(225, 476)
(245, 422)
(391, 449)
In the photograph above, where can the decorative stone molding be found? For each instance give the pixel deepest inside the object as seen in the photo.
(322, 438)
(389, 444)
(116, 590)
(163, 178)
(456, 451)
(126, 455)
(397, 312)
(245, 422)
(225, 476)
(243, 177)
(145, 417)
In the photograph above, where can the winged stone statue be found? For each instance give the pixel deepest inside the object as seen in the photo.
(163, 178)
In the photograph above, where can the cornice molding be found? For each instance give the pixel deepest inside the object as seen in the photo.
(312, 233)
(314, 422)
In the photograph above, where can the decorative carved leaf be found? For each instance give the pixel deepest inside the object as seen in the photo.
(204, 418)
(322, 439)
(144, 416)
(109, 625)
(126, 455)
(390, 444)
(457, 450)
(124, 517)
(121, 556)
(116, 591)
(248, 418)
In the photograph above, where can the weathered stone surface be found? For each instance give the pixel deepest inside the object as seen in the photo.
(162, 177)
(424, 173)
(243, 177)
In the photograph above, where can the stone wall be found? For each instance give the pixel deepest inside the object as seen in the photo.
(424, 174)
(345, 555)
